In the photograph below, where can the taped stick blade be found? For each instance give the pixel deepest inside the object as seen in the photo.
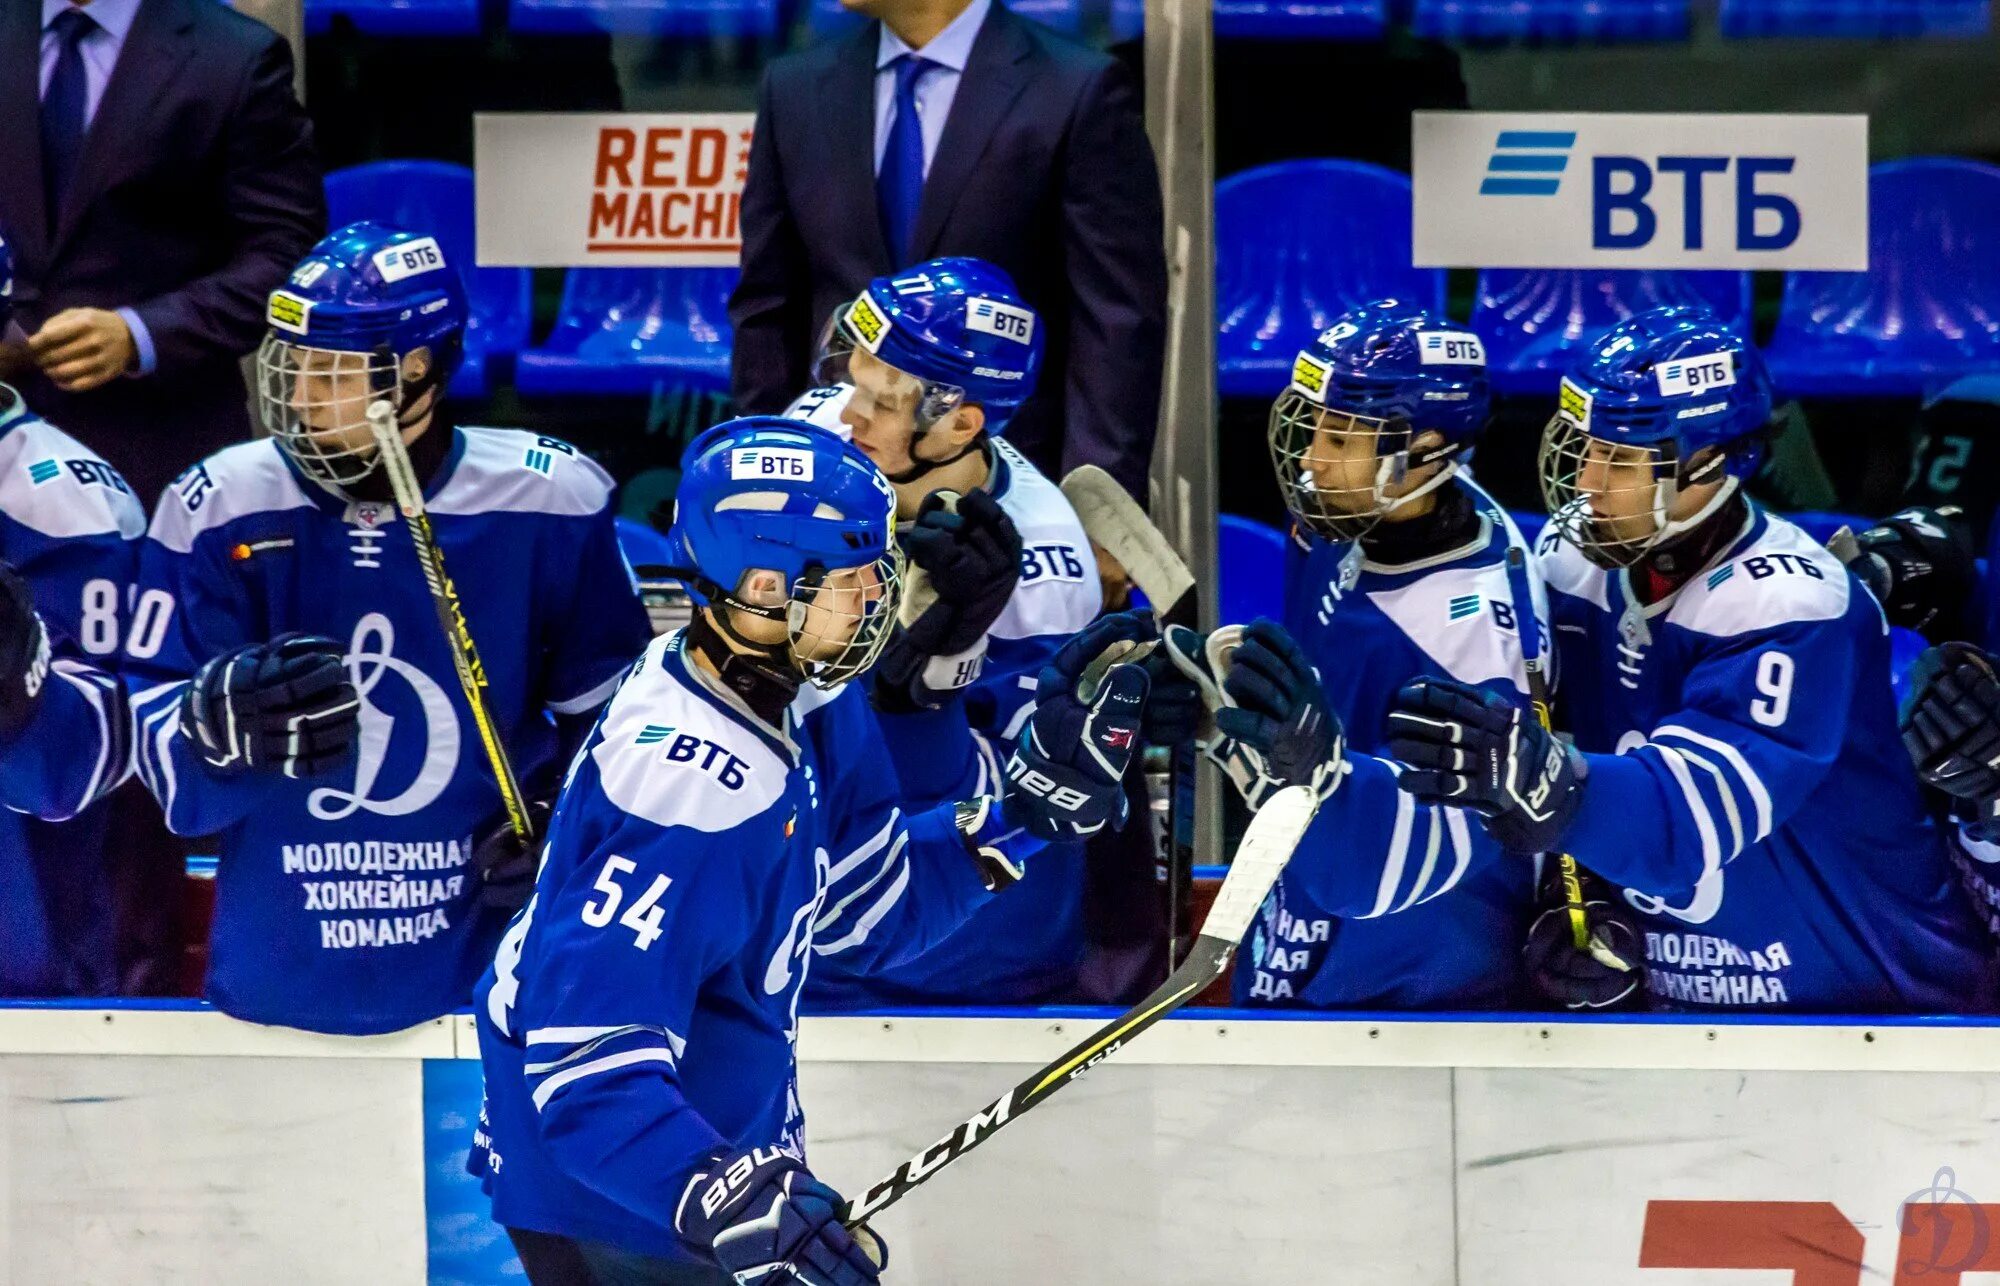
(1114, 521)
(1274, 835)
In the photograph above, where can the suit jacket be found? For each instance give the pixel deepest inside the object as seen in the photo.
(197, 191)
(1043, 168)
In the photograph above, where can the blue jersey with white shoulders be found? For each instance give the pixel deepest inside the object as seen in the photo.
(1747, 787)
(642, 1012)
(349, 903)
(1389, 903)
(69, 525)
(1027, 946)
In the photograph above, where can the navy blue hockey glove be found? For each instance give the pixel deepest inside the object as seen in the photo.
(764, 1219)
(285, 706)
(1266, 724)
(507, 866)
(1919, 564)
(24, 652)
(1951, 726)
(1605, 975)
(1476, 749)
(1065, 777)
(964, 562)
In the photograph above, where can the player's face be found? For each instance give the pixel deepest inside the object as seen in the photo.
(1620, 484)
(882, 413)
(1344, 460)
(835, 610)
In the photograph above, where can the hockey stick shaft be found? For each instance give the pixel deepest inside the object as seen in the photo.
(1116, 523)
(1274, 834)
(409, 494)
(1534, 659)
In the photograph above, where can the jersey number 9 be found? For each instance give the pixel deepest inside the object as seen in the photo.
(1774, 680)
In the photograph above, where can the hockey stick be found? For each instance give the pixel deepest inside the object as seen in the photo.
(409, 495)
(1114, 521)
(1273, 835)
(1534, 660)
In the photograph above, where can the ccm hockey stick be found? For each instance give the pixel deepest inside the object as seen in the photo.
(1274, 834)
(1116, 523)
(409, 495)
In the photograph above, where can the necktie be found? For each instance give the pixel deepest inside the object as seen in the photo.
(63, 109)
(899, 188)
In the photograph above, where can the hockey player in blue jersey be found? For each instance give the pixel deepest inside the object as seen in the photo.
(925, 369)
(1398, 570)
(69, 528)
(1735, 765)
(293, 687)
(729, 823)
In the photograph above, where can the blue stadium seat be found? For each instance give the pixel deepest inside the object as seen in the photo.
(1536, 320)
(1531, 522)
(631, 330)
(745, 18)
(827, 17)
(436, 197)
(397, 17)
(1250, 559)
(643, 546)
(1925, 313)
(1856, 19)
(1550, 21)
(1297, 244)
(1272, 19)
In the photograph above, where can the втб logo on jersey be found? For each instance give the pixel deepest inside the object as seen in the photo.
(685, 748)
(1527, 163)
(370, 660)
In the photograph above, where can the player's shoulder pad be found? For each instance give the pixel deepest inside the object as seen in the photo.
(671, 756)
(1059, 591)
(1782, 577)
(235, 482)
(1566, 571)
(822, 406)
(1462, 615)
(516, 471)
(54, 485)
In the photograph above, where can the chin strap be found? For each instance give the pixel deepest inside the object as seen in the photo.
(763, 677)
(920, 468)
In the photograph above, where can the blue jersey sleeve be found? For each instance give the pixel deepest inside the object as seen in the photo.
(1751, 742)
(190, 607)
(72, 537)
(1372, 850)
(621, 945)
(898, 884)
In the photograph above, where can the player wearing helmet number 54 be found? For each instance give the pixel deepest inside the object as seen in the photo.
(294, 689)
(727, 823)
(1736, 766)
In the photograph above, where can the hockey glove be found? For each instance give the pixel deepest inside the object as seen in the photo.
(1920, 566)
(964, 563)
(284, 706)
(1605, 975)
(1951, 726)
(1476, 749)
(24, 653)
(1065, 777)
(764, 1219)
(1267, 725)
(507, 866)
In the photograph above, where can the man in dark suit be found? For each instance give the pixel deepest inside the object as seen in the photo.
(160, 180)
(954, 127)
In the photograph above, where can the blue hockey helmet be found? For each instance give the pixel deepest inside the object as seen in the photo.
(1345, 433)
(6, 281)
(1665, 400)
(344, 329)
(957, 330)
(785, 521)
